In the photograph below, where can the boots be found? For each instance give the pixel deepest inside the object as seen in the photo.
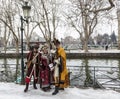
(34, 85)
(56, 90)
(26, 89)
(61, 88)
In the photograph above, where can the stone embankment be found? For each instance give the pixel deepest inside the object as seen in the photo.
(75, 54)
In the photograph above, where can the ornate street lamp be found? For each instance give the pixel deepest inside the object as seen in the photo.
(26, 12)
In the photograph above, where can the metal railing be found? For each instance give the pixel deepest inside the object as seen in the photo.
(9, 72)
(102, 76)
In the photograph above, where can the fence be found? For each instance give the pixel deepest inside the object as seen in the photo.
(9, 72)
(102, 76)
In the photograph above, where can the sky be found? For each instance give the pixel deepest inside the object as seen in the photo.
(101, 28)
(105, 25)
(15, 91)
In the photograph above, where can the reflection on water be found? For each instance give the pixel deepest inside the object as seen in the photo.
(85, 71)
(9, 69)
(12, 66)
(73, 62)
(94, 62)
(10, 60)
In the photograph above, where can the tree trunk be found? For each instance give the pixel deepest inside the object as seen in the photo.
(88, 81)
(86, 34)
(17, 69)
(119, 70)
(118, 16)
(86, 45)
(5, 40)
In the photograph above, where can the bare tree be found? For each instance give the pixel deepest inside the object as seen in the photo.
(84, 18)
(85, 15)
(118, 18)
(46, 16)
(7, 17)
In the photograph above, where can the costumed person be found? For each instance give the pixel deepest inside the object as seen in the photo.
(60, 69)
(45, 70)
(32, 64)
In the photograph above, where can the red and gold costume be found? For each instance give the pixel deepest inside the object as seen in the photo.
(44, 73)
(33, 68)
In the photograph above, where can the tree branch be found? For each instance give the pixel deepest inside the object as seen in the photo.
(107, 8)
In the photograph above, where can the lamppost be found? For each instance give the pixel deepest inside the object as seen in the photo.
(26, 12)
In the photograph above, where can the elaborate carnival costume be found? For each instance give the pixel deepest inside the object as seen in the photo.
(60, 70)
(33, 62)
(44, 70)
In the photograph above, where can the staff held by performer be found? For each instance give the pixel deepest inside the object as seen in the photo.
(32, 65)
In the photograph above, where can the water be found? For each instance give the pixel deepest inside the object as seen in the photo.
(94, 62)
(75, 62)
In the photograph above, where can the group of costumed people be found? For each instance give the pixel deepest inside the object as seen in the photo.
(47, 69)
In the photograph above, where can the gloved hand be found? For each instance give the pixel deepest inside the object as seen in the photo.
(51, 66)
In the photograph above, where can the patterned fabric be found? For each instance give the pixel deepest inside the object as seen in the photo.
(64, 74)
(44, 72)
(44, 76)
(33, 69)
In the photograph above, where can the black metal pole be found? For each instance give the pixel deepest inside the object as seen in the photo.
(22, 57)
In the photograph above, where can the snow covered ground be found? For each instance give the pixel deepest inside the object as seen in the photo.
(15, 91)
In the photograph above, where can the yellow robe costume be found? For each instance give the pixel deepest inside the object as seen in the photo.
(64, 74)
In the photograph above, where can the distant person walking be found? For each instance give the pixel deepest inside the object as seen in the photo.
(106, 47)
